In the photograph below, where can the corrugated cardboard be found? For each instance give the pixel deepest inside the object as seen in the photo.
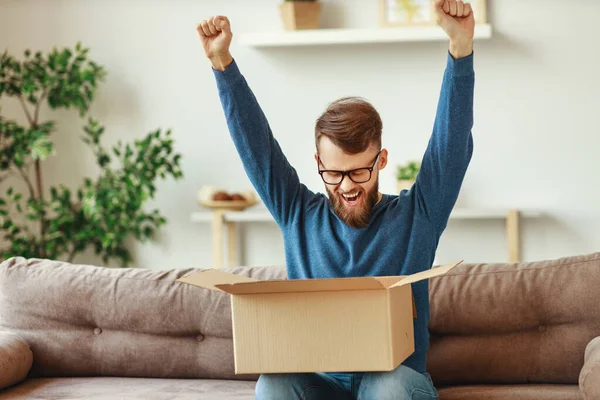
(318, 325)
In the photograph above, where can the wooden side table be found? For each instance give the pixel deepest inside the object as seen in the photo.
(225, 221)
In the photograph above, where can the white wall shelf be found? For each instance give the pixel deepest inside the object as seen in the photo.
(315, 37)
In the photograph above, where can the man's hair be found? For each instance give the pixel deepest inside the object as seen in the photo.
(351, 123)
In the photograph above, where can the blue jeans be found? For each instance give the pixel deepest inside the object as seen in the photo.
(401, 383)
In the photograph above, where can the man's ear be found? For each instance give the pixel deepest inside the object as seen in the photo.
(317, 159)
(383, 159)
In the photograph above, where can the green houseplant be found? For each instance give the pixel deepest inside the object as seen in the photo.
(104, 211)
(406, 174)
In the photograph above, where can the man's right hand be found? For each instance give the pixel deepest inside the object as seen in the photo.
(215, 36)
(457, 19)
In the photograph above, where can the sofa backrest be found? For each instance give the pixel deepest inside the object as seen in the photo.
(82, 320)
(490, 323)
(514, 323)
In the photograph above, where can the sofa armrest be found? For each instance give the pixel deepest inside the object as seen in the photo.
(16, 359)
(589, 378)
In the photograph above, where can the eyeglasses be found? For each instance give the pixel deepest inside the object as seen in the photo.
(358, 175)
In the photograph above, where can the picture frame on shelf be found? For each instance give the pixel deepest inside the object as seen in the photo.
(394, 13)
(405, 13)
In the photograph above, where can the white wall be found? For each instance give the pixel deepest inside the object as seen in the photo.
(536, 125)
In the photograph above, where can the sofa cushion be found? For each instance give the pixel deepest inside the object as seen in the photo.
(514, 323)
(516, 392)
(130, 388)
(15, 359)
(83, 320)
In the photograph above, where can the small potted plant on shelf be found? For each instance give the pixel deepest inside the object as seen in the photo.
(406, 174)
(300, 14)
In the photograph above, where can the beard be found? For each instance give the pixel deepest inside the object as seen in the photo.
(356, 217)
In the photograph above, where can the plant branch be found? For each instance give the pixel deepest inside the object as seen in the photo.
(27, 114)
(27, 180)
(32, 194)
(39, 103)
(38, 179)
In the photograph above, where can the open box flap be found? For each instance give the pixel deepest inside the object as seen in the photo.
(213, 278)
(388, 281)
(430, 273)
(303, 285)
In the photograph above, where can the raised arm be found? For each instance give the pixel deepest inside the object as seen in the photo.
(450, 147)
(275, 180)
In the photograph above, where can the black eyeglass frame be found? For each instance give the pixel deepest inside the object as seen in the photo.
(344, 173)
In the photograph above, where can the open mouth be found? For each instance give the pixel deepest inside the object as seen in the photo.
(352, 199)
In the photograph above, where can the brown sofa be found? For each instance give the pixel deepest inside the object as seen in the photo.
(498, 331)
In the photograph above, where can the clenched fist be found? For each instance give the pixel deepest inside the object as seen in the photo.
(215, 35)
(457, 20)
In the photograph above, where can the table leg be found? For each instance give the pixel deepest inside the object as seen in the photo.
(512, 236)
(217, 238)
(232, 245)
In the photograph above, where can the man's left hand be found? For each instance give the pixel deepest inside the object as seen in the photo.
(457, 20)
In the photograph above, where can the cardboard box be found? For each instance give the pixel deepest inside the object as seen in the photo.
(318, 325)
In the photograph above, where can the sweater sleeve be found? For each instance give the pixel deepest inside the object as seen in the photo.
(450, 147)
(269, 171)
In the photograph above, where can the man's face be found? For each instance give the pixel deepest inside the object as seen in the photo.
(352, 201)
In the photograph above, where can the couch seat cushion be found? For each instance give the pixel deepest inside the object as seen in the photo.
(105, 388)
(512, 392)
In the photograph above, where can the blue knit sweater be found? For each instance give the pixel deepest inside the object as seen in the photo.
(404, 230)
